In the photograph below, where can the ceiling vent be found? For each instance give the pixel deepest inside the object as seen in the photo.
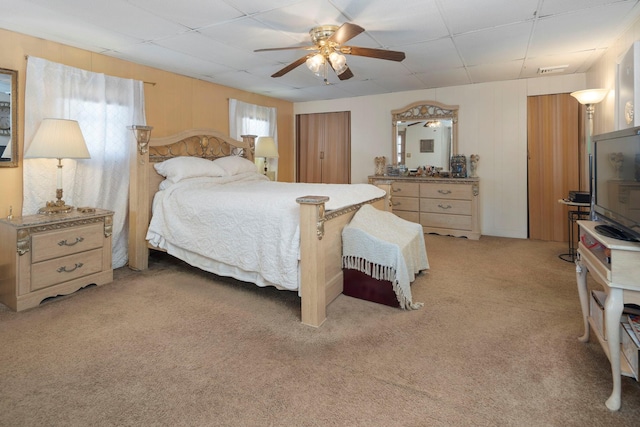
(552, 70)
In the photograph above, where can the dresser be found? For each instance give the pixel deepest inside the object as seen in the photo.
(43, 256)
(447, 206)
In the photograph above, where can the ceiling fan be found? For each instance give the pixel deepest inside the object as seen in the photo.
(328, 49)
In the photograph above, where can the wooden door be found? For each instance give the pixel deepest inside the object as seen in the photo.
(553, 163)
(324, 148)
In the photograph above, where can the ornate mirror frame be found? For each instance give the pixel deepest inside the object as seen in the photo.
(9, 117)
(425, 110)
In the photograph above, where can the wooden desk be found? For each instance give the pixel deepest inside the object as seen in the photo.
(619, 274)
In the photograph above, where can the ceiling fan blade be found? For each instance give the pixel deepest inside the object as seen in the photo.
(346, 32)
(391, 55)
(290, 67)
(414, 123)
(287, 48)
(346, 74)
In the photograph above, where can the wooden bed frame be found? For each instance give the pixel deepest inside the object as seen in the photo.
(320, 230)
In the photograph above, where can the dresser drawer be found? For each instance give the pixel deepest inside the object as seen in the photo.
(446, 191)
(68, 241)
(446, 206)
(405, 203)
(458, 222)
(52, 272)
(406, 189)
(409, 216)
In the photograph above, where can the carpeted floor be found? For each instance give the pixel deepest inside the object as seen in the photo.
(495, 345)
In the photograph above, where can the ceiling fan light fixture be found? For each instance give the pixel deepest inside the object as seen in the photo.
(315, 62)
(338, 62)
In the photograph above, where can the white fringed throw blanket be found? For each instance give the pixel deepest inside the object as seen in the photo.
(385, 247)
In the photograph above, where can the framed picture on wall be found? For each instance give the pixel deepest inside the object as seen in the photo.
(426, 145)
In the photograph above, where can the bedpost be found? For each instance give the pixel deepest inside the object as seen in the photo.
(138, 208)
(251, 140)
(312, 262)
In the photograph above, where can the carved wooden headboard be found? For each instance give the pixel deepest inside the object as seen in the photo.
(205, 143)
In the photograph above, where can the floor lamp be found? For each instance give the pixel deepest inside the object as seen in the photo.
(589, 97)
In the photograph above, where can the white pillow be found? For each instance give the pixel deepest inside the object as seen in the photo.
(183, 167)
(235, 165)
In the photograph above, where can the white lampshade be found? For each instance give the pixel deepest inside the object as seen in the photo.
(58, 139)
(266, 147)
(590, 96)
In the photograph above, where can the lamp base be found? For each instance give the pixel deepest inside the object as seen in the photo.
(55, 208)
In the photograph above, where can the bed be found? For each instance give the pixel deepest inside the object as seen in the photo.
(318, 213)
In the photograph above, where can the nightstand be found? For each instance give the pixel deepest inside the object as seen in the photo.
(43, 256)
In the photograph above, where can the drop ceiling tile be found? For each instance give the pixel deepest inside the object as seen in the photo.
(444, 78)
(116, 15)
(574, 62)
(495, 71)
(494, 45)
(469, 15)
(552, 7)
(437, 54)
(388, 27)
(156, 56)
(33, 19)
(192, 13)
(197, 45)
(583, 30)
(251, 34)
(301, 16)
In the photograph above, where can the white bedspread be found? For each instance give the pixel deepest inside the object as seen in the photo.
(246, 225)
(385, 247)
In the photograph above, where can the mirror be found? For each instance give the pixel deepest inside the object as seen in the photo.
(8, 118)
(425, 133)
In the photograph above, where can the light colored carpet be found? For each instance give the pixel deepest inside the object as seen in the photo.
(495, 345)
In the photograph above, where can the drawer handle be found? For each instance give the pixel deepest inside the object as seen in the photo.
(444, 207)
(64, 269)
(444, 191)
(64, 242)
(396, 190)
(395, 203)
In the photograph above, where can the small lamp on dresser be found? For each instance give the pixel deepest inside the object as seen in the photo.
(266, 148)
(58, 139)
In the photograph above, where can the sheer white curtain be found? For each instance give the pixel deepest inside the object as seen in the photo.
(251, 119)
(103, 106)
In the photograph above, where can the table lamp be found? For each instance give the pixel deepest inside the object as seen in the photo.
(266, 148)
(57, 139)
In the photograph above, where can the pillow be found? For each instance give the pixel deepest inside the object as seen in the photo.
(235, 165)
(183, 167)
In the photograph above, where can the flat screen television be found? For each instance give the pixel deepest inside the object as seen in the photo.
(615, 184)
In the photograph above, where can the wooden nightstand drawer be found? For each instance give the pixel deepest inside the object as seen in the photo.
(69, 241)
(44, 256)
(59, 270)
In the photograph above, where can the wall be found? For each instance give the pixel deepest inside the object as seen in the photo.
(492, 123)
(173, 102)
(603, 75)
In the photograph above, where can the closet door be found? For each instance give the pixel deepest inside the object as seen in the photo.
(324, 148)
(553, 163)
